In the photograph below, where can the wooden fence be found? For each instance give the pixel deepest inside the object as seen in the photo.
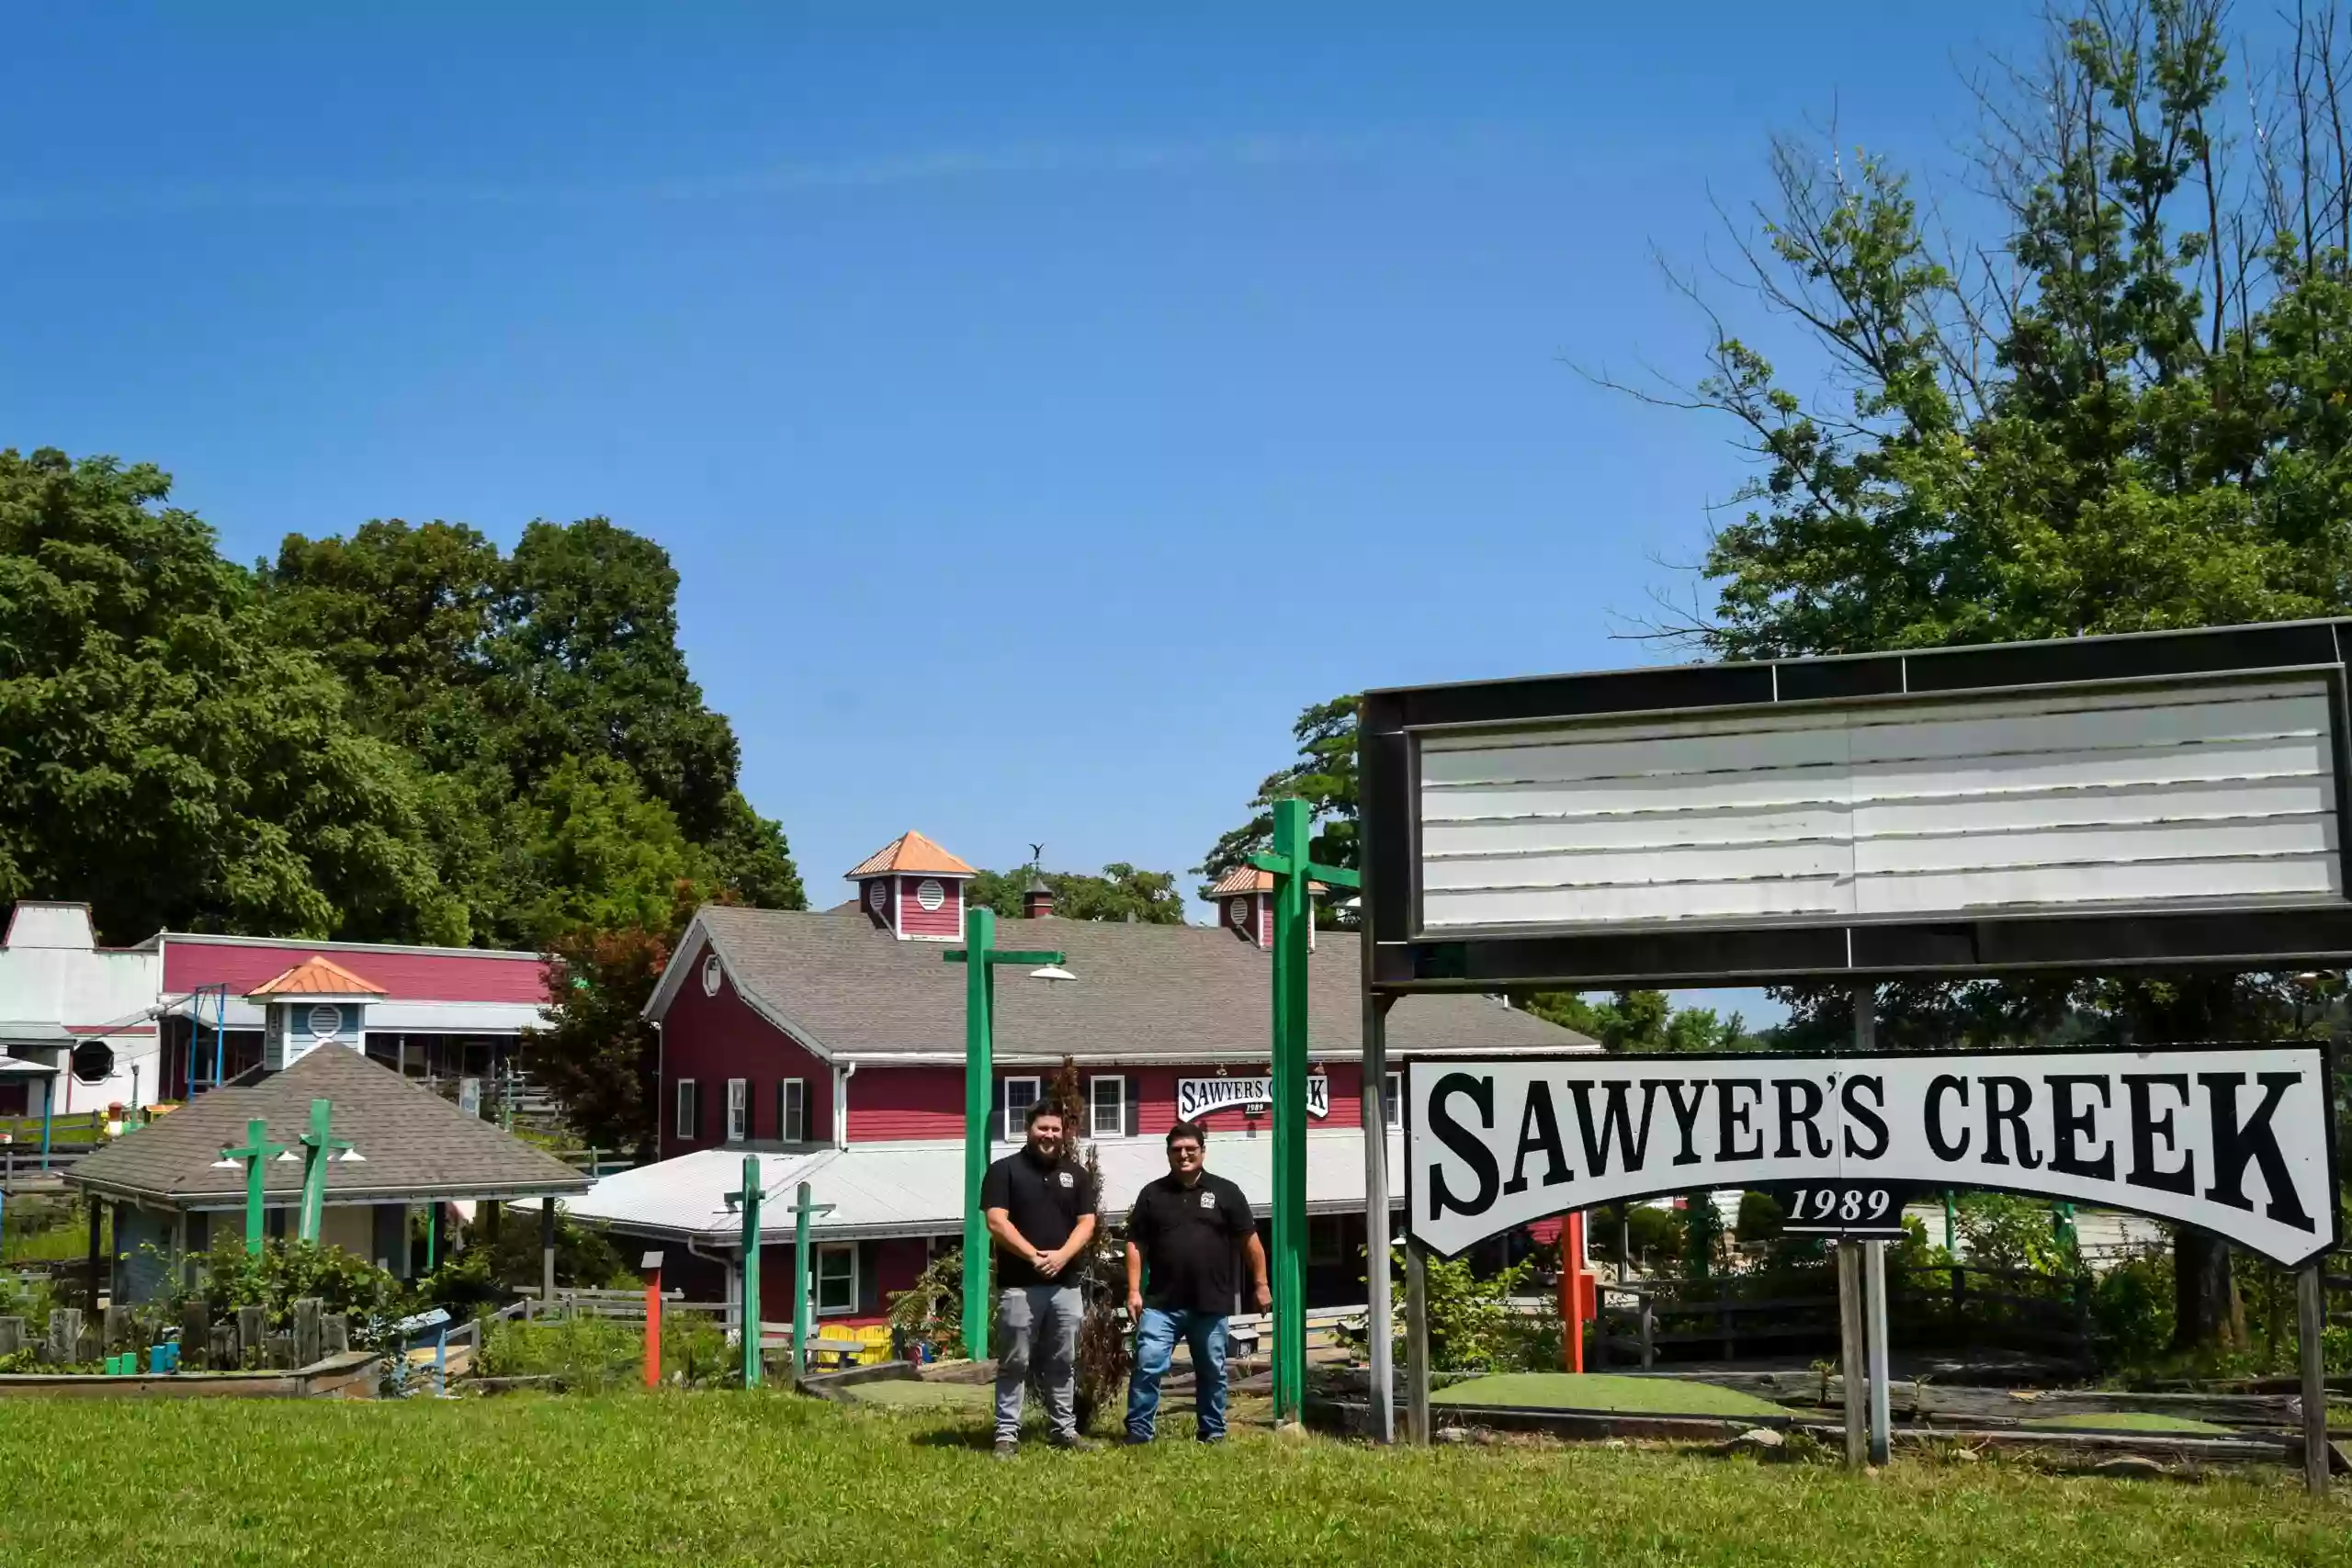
(243, 1341)
(1957, 1306)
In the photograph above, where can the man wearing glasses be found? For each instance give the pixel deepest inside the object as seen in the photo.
(1188, 1235)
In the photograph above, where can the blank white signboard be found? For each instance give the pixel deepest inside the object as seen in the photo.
(2217, 791)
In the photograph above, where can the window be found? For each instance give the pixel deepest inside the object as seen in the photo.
(836, 1280)
(686, 1109)
(792, 1110)
(739, 1110)
(1392, 1100)
(1020, 1094)
(1106, 1106)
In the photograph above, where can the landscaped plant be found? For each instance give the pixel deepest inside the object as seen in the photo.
(283, 1272)
(929, 1314)
(590, 1354)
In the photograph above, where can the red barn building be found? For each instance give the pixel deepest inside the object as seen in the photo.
(835, 1043)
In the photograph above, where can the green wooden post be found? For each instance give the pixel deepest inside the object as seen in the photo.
(980, 958)
(803, 1318)
(1295, 875)
(258, 1150)
(317, 1147)
(979, 1076)
(747, 1203)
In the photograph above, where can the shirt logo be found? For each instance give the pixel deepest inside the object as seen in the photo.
(1208, 1200)
(1065, 1176)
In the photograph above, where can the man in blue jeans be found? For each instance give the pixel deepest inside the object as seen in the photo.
(1189, 1232)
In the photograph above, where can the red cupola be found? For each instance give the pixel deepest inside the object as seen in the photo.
(913, 889)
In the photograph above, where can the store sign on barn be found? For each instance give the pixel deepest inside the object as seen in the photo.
(1196, 1098)
(2237, 1140)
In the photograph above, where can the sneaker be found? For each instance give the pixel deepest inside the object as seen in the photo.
(1132, 1441)
(1006, 1448)
(1076, 1444)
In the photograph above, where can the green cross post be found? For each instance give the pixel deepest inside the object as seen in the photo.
(747, 1202)
(803, 1211)
(978, 952)
(1294, 875)
(258, 1152)
(317, 1148)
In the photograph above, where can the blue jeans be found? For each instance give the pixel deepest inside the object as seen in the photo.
(1155, 1346)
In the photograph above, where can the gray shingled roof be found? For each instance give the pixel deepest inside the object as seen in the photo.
(414, 1146)
(1178, 993)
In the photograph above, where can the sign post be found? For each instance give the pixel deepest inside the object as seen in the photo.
(980, 955)
(652, 1264)
(1294, 875)
(747, 1203)
(2311, 1300)
(803, 1211)
(257, 1152)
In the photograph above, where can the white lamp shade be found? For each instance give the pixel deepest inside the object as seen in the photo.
(1051, 972)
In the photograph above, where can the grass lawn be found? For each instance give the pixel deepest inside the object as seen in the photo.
(1605, 1390)
(912, 1395)
(711, 1479)
(2131, 1421)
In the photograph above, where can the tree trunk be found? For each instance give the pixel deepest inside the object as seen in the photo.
(2201, 1295)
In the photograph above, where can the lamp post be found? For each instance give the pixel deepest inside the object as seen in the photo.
(318, 1147)
(747, 1203)
(1293, 873)
(256, 1152)
(980, 957)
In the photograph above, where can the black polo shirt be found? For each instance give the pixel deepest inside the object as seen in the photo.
(1192, 1238)
(1044, 1202)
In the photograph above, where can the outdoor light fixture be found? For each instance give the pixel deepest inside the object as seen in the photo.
(351, 1156)
(288, 1157)
(225, 1163)
(1051, 972)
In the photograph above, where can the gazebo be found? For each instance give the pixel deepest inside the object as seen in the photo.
(173, 1181)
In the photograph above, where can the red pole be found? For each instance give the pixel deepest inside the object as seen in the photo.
(1572, 1292)
(653, 1320)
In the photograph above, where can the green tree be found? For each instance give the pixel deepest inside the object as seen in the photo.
(165, 759)
(1325, 777)
(599, 1057)
(589, 850)
(2126, 411)
(1121, 892)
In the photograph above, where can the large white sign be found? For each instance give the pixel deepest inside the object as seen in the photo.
(1196, 1098)
(2237, 1141)
(2211, 792)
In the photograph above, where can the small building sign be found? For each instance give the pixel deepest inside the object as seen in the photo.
(1196, 1098)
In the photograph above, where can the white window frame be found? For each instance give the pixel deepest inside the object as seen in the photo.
(738, 1110)
(686, 1111)
(816, 1286)
(792, 1110)
(1094, 1085)
(1016, 1128)
(1391, 1100)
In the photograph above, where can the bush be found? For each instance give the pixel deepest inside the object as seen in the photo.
(1473, 1327)
(1760, 1217)
(930, 1312)
(583, 1258)
(2132, 1310)
(284, 1272)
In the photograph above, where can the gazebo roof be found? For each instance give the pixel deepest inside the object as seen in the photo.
(414, 1146)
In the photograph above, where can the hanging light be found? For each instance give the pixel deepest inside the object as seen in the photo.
(225, 1163)
(286, 1157)
(1051, 972)
(351, 1156)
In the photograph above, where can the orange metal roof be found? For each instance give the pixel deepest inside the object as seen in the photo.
(910, 852)
(1249, 879)
(317, 977)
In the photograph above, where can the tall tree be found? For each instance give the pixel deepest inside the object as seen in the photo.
(2126, 411)
(1324, 776)
(1121, 892)
(162, 755)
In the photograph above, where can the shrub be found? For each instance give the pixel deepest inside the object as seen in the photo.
(2132, 1310)
(930, 1312)
(592, 1354)
(284, 1272)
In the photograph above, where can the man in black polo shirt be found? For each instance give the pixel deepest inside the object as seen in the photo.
(1189, 1231)
(1041, 1211)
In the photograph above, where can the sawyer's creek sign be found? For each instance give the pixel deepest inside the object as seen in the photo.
(2237, 1140)
(1196, 1098)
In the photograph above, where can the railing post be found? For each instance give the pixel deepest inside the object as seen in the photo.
(2311, 1301)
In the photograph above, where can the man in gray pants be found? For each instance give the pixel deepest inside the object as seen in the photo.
(1041, 1213)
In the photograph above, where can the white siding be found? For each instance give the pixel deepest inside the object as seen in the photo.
(2205, 792)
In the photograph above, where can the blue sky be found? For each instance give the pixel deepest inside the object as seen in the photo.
(1042, 407)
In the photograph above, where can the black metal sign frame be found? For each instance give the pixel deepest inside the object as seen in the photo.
(1402, 957)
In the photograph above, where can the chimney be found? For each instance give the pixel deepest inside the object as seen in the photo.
(1036, 900)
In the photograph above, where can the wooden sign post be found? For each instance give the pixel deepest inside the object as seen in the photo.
(652, 1264)
(803, 1211)
(747, 1202)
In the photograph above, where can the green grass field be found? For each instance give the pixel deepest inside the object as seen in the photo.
(712, 1479)
(2131, 1421)
(1605, 1390)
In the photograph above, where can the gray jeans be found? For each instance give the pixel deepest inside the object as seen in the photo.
(1036, 1327)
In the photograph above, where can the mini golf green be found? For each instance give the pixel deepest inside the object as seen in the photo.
(1607, 1392)
(2130, 1421)
(906, 1394)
